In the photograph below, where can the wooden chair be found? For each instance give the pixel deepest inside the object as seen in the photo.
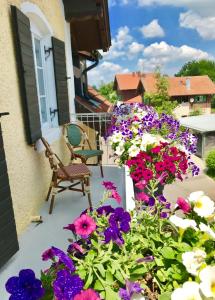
(61, 173)
(76, 137)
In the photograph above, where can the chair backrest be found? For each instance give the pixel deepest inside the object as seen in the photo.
(54, 160)
(74, 134)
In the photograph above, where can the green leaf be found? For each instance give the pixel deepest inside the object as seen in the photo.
(101, 269)
(98, 286)
(110, 294)
(89, 280)
(165, 296)
(159, 262)
(109, 277)
(168, 253)
(119, 277)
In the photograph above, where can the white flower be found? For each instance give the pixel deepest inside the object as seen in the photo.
(203, 205)
(115, 138)
(189, 291)
(207, 285)
(207, 229)
(133, 151)
(148, 139)
(120, 148)
(193, 260)
(183, 223)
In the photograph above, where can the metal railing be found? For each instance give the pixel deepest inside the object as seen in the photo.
(96, 126)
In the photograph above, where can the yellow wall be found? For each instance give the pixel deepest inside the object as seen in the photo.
(29, 171)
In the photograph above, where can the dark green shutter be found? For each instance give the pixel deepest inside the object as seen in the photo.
(61, 81)
(8, 237)
(26, 72)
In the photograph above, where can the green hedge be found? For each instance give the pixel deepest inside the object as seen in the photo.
(210, 161)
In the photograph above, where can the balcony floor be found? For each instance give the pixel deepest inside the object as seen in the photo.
(36, 239)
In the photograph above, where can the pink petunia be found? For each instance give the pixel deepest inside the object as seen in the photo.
(141, 184)
(115, 195)
(89, 294)
(84, 225)
(184, 205)
(142, 197)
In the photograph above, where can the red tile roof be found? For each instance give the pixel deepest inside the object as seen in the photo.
(126, 82)
(199, 85)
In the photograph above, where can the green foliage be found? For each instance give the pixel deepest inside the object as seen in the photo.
(195, 68)
(196, 112)
(161, 100)
(210, 161)
(107, 91)
(213, 102)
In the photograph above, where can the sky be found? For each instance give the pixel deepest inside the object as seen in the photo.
(156, 33)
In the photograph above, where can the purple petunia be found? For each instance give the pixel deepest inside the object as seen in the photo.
(64, 258)
(66, 286)
(114, 234)
(25, 286)
(105, 210)
(120, 219)
(109, 185)
(48, 254)
(130, 289)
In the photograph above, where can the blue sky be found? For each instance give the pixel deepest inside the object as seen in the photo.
(150, 33)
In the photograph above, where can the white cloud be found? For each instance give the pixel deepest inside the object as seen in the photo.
(119, 43)
(165, 55)
(105, 72)
(204, 25)
(203, 7)
(152, 30)
(134, 49)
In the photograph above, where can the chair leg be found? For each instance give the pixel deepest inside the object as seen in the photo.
(50, 188)
(52, 203)
(82, 185)
(101, 168)
(87, 181)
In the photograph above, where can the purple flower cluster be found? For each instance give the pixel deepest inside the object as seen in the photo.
(119, 222)
(66, 286)
(130, 289)
(25, 286)
(165, 125)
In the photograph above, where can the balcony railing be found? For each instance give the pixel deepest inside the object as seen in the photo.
(96, 125)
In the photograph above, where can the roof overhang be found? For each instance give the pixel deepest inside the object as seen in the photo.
(89, 23)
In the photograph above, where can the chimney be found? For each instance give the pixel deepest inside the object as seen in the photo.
(188, 84)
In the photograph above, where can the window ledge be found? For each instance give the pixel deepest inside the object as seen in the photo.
(51, 135)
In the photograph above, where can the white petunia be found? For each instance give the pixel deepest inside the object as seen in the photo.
(189, 291)
(183, 223)
(120, 148)
(207, 285)
(115, 138)
(193, 261)
(207, 229)
(203, 205)
(148, 139)
(133, 151)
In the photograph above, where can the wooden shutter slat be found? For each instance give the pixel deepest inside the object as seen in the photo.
(61, 81)
(26, 73)
(8, 236)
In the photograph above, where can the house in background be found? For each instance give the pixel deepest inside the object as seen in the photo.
(37, 89)
(90, 30)
(192, 93)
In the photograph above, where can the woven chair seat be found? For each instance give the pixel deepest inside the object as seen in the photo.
(88, 153)
(74, 171)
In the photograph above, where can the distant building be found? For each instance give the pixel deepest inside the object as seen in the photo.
(192, 93)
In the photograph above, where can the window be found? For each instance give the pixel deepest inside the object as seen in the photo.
(200, 99)
(41, 84)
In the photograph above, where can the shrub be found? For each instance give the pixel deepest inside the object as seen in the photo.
(210, 161)
(197, 112)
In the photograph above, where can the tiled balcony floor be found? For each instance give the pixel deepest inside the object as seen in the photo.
(68, 206)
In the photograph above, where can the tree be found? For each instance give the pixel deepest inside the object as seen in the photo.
(108, 92)
(195, 68)
(161, 100)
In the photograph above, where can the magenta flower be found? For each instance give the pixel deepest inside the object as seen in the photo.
(141, 184)
(48, 254)
(142, 197)
(89, 294)
(115, 195)
(184, 205)
(109, 185)
(84, 225)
